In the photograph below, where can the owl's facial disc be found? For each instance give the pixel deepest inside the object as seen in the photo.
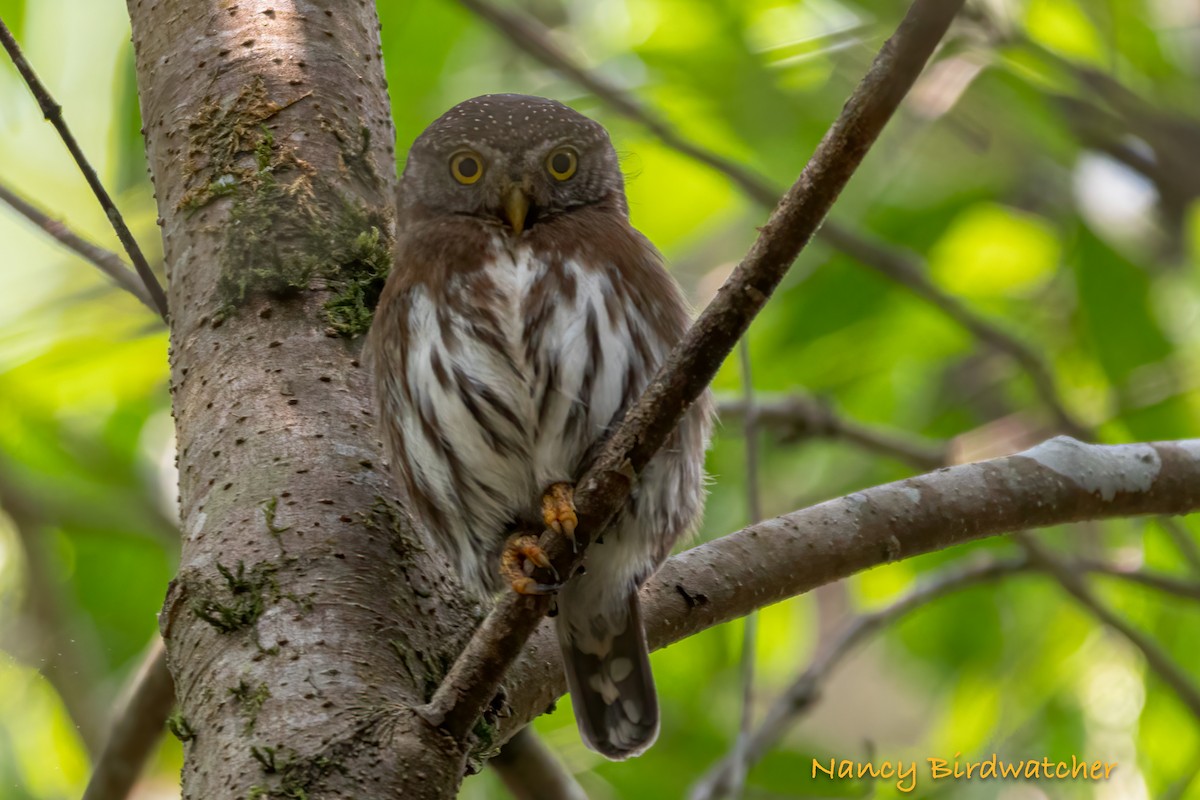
(512, 161)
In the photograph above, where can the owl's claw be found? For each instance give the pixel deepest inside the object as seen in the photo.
(522, 554)
(558, 510)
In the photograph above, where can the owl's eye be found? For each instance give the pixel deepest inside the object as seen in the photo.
(466, 167)
(562, 163)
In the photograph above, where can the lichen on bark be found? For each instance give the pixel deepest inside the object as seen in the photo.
(289, 229)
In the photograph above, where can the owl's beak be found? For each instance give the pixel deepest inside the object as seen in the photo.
(516, 207)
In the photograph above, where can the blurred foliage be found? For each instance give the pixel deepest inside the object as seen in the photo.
(1044, 167)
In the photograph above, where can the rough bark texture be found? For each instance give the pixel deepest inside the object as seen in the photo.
(270, 142)
(1057, 482)
(307, 625)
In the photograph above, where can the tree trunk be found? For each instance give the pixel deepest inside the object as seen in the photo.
(306, 621)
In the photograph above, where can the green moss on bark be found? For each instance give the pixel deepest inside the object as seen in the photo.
(294, 778)
(289, 230)
(249, 699)
(238, 599)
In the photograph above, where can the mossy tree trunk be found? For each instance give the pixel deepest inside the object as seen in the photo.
(305, 621)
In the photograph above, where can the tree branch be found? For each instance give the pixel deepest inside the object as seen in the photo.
(106, 261)
(805, 690)
(897, 265)
(531, 771)
(800, 416)
(750, 420)
(1056, 482)
(1156, 658)
(53, 113)
(56, 649)
(1167, 584)
(1183, 542)
(476, 675)
(136, 729)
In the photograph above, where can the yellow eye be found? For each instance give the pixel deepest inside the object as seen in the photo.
(562, 163)
(466, 167)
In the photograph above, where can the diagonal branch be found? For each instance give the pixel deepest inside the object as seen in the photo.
(1054, 483)
(136, 729)
(1183, 541)
(476, 675)
(805, 690)
(1156, 658)
(531, 771)
(106, 261)
(53, 112)
(55, 648)
(897, 265)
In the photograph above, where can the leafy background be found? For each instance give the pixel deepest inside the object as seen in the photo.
(1056, 201)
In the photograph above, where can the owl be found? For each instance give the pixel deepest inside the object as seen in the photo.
(524, 314)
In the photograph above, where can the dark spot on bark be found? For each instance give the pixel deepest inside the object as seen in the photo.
(692, 600)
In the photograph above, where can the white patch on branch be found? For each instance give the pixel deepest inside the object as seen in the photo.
(197, 524)
(1100, 470)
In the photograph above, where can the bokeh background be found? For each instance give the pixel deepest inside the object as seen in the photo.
(1043, 173)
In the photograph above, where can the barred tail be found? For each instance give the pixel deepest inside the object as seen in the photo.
(608, 673)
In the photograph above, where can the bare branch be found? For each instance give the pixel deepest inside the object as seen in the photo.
(739, 758)
(53, 112)
(1156, 658)
(800, 416)
(900, 266)
(1054, 483)
(136, 729)
(473, 680)
(106, 261)
(804, 692)
(532, 772)
(1167, 584)
(1183, 541)
(56, 649)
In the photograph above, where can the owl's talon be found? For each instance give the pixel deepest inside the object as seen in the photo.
(529, 586)
(558, 510)
(522, 554)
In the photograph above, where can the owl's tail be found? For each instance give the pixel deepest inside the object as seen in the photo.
(608, 673)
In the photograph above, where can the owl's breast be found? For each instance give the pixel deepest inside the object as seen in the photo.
(586, 355)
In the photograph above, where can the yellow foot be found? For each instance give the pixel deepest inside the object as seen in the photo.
(522, 554)
(558, 510)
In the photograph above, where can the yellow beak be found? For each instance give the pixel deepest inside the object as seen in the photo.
(516, 207)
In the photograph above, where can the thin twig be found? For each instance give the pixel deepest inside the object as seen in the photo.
(530, 771)
(799, 416)
(136, 730)
(53, 113)
(805, 690)
(1156, 658)
(57, 650)
(1167, 584)
(1183, 541)
(803, 693)
(737, 781)
(106, 261)
(899, 266)
(476, 675)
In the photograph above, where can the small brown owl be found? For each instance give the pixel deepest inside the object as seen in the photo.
(523, 316)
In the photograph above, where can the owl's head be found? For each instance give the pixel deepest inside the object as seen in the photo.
(511, 159)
